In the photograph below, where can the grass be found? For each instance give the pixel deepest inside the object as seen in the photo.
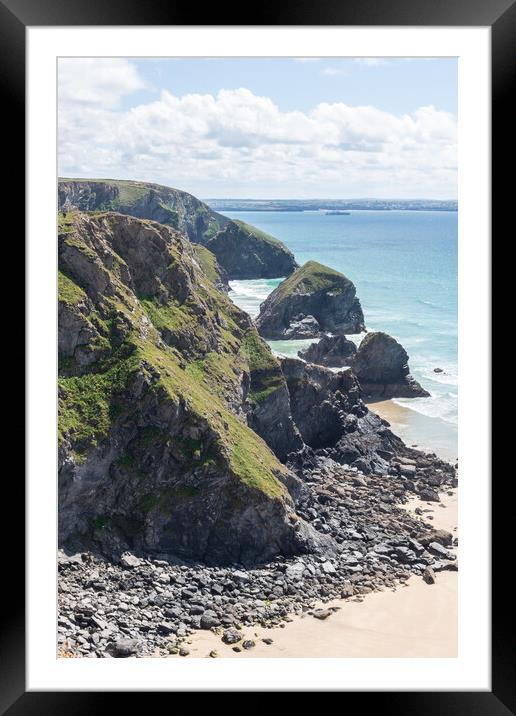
(68, 291)
(312, 277)
(262, 235)
(65, 222)
(89, 403)
(208, 263)
(266, 376)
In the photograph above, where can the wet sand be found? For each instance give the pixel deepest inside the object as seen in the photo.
(417, 430)
(417, 620)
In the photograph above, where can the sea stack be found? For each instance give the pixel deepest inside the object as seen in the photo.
(381, 366)
(314, 300)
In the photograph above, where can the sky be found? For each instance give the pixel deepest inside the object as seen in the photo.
(264, 128)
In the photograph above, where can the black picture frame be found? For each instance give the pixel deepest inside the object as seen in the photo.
(15, 17)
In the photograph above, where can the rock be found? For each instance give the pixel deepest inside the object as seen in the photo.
(231, 636)
(268, 641)
(328, 568)
(129, 561)
(248, 644)
(295, 571)
(331, 351)
(322, 613)
(125, 647)
(209, 620)
(321, 401)
(438, 370)
(408, 470)
(381, 366)
(443, 537)
(429, 575)
(314, 291)
(304, 327)
(438, 549)
(166, 628)
(246, 252)
(428, 495)
(213, 654)
(183, 651)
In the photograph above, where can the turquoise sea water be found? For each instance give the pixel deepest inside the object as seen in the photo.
(404, 266)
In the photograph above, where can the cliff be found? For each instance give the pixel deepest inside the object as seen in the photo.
(247, 253)
(242, 251)
(313, 300)
(159, 376)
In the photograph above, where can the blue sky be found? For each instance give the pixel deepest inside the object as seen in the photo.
(391, 84)
(263, 127)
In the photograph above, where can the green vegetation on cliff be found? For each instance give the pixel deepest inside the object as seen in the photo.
(208, 345)
(68, 291)
(258, 233)
(209, 264)
(311, 278)
(266, 376)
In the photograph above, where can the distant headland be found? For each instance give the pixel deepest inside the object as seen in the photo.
(332, 205)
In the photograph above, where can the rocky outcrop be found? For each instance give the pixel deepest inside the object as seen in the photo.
(324, 403)
(241, 250)
(313, 300)
(331, 351)
(381, 366)
(159, 376)
(247, 253)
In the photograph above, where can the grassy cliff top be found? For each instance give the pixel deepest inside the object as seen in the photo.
(312, 277)
(262, 235)
(129, 191)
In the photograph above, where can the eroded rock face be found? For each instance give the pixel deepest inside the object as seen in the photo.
(314, 299)
(381, 366)
(168, 206)
(159, 375)
(241, 250)
(330, 414)
(246, 253)
(324, 404)
(331, 351)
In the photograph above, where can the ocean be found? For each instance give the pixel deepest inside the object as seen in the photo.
(404, 267)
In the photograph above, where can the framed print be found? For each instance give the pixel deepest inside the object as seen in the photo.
(258, 425)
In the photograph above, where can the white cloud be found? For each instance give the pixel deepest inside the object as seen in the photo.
(96, 80)
(307, 59)
(240, 144)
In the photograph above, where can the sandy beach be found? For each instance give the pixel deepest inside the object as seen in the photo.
(416, 620)
(417, 430)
